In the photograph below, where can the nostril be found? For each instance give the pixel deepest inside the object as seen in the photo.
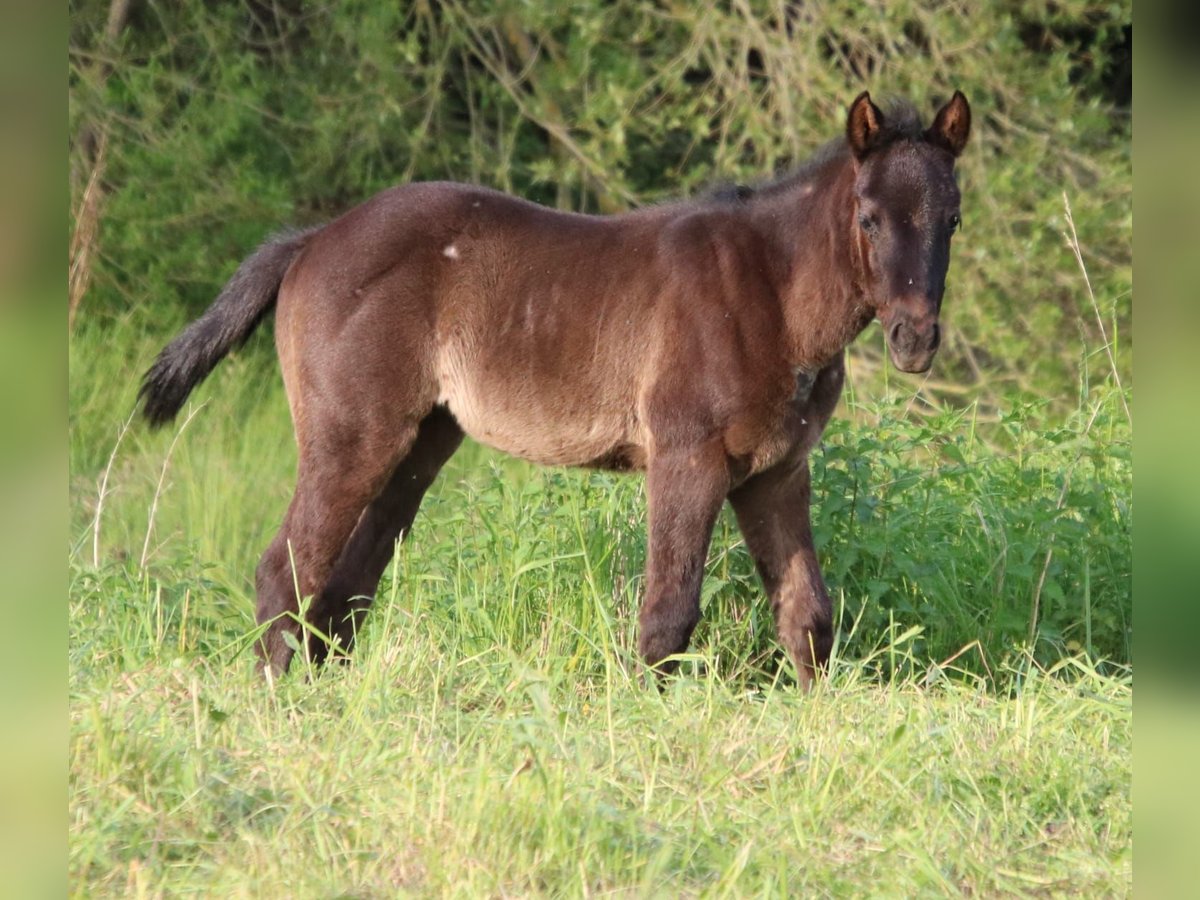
(935, 338)
(894, 334)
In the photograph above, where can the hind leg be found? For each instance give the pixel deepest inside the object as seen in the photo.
(339, 608)
(339, 474)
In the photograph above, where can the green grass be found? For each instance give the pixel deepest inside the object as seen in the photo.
(493, 734)
(428, 767)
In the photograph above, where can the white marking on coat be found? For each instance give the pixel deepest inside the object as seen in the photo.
(451, 252)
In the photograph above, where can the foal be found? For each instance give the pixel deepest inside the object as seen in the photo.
(701, 342)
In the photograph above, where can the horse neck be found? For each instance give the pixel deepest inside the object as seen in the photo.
(819, 275)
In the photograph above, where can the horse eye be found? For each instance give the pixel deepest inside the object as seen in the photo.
(867, 224)
(955, 223)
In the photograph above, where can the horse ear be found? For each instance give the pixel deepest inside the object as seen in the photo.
(863, 125)
(952, 125)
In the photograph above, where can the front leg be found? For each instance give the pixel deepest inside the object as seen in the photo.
(685, 490)
(773, 513)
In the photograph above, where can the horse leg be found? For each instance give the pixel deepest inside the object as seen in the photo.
(338, 476)
(773, 513)
(339, 609)
(685, 490)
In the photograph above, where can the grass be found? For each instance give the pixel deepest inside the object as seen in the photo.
(493, 735)
(426, 767)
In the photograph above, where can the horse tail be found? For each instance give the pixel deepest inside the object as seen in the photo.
(239, 308)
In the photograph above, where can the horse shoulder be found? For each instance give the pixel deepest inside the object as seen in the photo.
(719, 365)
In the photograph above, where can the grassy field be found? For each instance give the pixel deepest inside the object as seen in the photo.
(494, 735)
(430, 769)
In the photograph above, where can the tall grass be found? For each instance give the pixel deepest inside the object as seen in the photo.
(452, 757)
(431, 766)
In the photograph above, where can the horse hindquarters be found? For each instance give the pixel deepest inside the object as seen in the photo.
(356, 366)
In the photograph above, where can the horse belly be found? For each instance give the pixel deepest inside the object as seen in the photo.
(543, 421)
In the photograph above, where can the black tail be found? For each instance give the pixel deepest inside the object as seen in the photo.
(237, 311)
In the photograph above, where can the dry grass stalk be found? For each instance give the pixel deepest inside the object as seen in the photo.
(1073, 243)
(93, 139)
(83, 239)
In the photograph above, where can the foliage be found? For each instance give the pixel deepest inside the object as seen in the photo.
(229, 120)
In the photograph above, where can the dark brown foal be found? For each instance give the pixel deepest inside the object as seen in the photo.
(700, 341)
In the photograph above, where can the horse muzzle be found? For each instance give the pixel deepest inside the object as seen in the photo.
(913, 341)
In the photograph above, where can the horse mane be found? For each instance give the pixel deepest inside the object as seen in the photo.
(901, 122)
